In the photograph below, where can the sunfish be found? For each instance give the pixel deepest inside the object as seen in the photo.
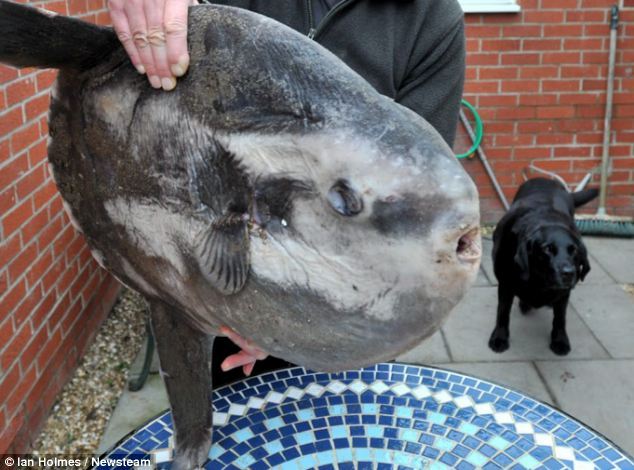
(274, 192)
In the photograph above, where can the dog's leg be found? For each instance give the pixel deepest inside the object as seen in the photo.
(499, 340)
(524, 307)
(559, 342)
(185, 357)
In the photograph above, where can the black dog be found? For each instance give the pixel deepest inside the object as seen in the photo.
(538, 256)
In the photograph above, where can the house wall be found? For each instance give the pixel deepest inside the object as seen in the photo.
(53, 296)
(538, 79)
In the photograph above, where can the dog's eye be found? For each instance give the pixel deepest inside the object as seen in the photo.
(550, 249)
(572, 249)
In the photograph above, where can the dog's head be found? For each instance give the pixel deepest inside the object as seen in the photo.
(554, 255)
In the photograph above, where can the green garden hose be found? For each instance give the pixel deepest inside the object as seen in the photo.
(479, 130)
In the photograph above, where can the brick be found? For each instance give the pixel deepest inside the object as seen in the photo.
(15, 347)
(563, 30)
(539, 72)
(30, 181)
(9, 381)
(19, 265)
(531, 153)
(483, 59)
(500, 45)
(582, 98)
(583, 44)
(51, 345)
(45, 194)
(554, 139)
(25, 137)
(7, 199)
(557, 4)
(17, 217)
(575, 125)
(566, 57)
(578, 151)
(38, 154)
(10, 120)
(543, 17)
(37, 106)
(478, 31)
(34, 226)
(497, 100)
(555, 112)
(561, 85)
(542, 99)
(7, 73)
(16, 399)
(481, 86)
(492, 73)
(46, 78)
(583, 71)
(522, 31)
(520, 86)
(514, 113)
(586, 16)
(44, 309)
(593, 85)
(524, 58)
(541, 44)
(20, 90)
(28, 305)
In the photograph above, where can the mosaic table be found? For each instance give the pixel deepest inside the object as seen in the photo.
(389, 416)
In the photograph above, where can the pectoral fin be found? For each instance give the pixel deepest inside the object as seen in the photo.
(223, 254)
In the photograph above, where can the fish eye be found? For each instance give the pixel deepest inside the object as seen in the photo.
(344, 199)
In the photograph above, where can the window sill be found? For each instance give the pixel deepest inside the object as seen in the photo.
(490, 7)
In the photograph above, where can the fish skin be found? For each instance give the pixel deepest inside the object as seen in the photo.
(147, 174)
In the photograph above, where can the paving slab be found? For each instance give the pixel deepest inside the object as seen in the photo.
(487, 260)
(469, 326)
(598, 393)
(521, 376)
(616, 256)
(133, 410)
(609, 312)
(482, 280)
(429, 351)
(597, 274)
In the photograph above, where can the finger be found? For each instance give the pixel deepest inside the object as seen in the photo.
(236, 360)
(244, 344)
(122, 28)
(138, 28)
(248, 368)
(175, 21)
(156, 37)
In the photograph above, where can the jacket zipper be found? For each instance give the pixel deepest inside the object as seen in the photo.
(315, 30)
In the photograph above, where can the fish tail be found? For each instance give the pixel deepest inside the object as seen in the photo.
(36, 38)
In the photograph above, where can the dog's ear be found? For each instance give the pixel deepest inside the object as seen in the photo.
(583, 264)
(521, 258)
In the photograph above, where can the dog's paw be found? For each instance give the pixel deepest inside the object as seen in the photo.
(560, 344)
(499, 340)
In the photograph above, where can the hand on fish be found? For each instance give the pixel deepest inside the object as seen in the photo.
(154, 34)
(246, 358)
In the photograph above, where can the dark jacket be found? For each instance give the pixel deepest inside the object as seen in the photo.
(410, 50)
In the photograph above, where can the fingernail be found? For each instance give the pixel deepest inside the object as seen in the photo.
(140, 69)
(155, 81)
(180, 67)
(168, 83)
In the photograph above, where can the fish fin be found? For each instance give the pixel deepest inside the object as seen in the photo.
(223, 254)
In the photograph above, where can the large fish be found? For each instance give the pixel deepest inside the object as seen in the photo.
(274, 192)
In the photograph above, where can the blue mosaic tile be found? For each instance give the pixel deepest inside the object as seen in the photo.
(390, 416)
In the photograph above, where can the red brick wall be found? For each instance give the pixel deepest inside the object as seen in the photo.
(52, 294)
(538, 78)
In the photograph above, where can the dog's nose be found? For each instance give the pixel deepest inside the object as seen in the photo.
(567, 273)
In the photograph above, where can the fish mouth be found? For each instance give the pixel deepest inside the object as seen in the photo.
(469, 245)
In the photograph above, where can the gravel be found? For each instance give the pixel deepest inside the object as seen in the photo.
(82, 410)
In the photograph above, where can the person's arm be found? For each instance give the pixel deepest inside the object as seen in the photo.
(154, 34)
(434, 84)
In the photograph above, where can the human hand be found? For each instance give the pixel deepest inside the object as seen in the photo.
(246, 358)
(154, 34)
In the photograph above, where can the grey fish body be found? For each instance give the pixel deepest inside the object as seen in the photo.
(159, 181)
